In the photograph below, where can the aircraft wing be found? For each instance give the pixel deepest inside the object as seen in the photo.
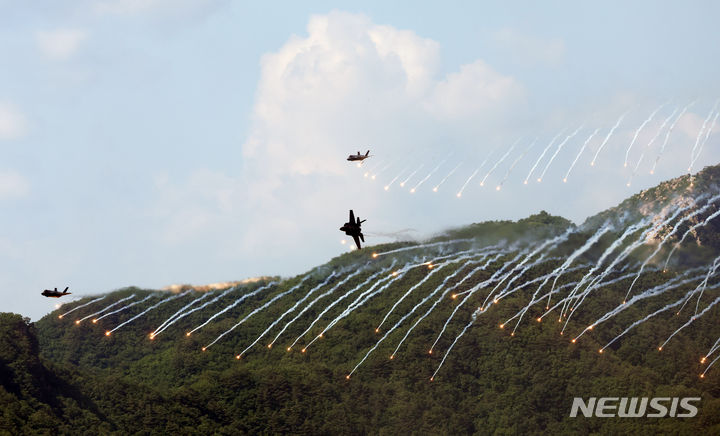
(357, 240)
(352, 217)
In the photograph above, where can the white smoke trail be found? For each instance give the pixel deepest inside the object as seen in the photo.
(700, 132)
(123, 308)
(412, 288)
(504, 156)
(475, 314)
(280, 318)
(230, 306)
(552, 141)
(171, 319)
(459, 194)
(191, 311)
(557, 150)
(81, 306)
(567, 174)
(515, 162)
(441, 297)
(667, 135)
(653, 292)
(387, 187)
(690, 321)
(640, 321)
(427, 177)
(343, 297)
(318, 298)
(415, 247)
(607, 138)
(690, 230)
(667, 238)
(435, 189)
(402, 184)
(639, 129)
(163, 301)
(702, 145)
(105, 309)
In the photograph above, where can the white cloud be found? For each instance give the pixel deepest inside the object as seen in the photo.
(60, 44)
(13, 124)
(13, 184)
(530, 50)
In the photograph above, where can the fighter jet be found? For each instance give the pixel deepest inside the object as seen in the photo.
(352, 228)
(55, 293)
(358, 156)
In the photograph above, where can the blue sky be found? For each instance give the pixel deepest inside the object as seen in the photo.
(157, 142)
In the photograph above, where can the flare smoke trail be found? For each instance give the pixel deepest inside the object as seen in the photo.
(124, 308)
(515, 162)
(248, 316)
(594, 283)
(637, 132)
(652, 292)
(667, 237)
(105, 309)
(640, 321)
(267, 304)
(557, 272)
(81, 306)
(702, 145)
(439, 299)
(532, 170)
(402, 184)
(364, 297)
(318, 298)
(700, 132)
(397, 324)
(474, 289)
(280, 318)
(412, 288)
(427, 177)
(202, 306)
(657, 134)
(512, 147)
(579, 154)
(337, 301)
(459, 194)
(387, 187)
(690, 230)
(608, 251)
(414, 247)
(435, 189)
(690, 321)
(171, 319)
(667, 135)
(557, 150)
(701, 287)
(548, 244)
(235, 303)
(607, 138)
(170, 298)
(475, 314)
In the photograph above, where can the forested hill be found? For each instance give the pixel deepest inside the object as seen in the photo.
(506, 318)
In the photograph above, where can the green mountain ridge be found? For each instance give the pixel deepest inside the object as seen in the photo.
(62, 377)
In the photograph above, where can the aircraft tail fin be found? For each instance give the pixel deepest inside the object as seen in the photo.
(65, 291)
(367, 154)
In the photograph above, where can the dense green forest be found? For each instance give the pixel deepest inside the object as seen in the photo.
(62, 377)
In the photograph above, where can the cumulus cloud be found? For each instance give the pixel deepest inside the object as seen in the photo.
(60, 44)
(530, 50)
(13, 184)
(13, 124)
